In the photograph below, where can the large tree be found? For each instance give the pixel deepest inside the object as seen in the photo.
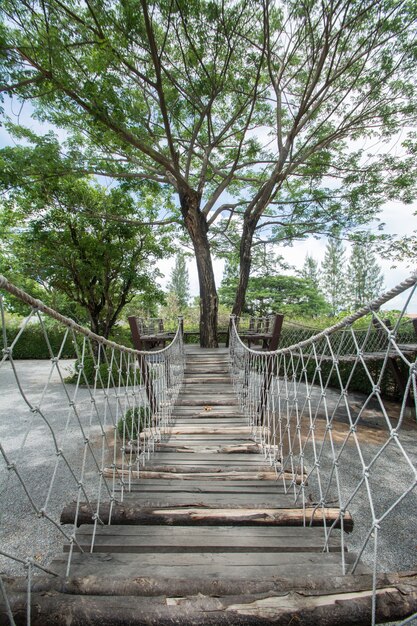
(98, 265)
(339, 72)
(261, 99)
(165, 91)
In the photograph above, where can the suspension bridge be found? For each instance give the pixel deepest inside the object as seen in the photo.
(229, 486)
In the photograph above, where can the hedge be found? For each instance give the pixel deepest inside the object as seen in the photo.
(32, 343)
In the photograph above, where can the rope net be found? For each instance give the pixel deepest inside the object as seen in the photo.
(77, 427)
(339, 433)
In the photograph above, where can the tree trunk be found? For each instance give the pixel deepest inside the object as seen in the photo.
(196, 225)
(245, 265)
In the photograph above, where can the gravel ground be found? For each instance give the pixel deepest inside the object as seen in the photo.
(28, 443)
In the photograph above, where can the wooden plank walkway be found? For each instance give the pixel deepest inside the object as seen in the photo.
(207, 534)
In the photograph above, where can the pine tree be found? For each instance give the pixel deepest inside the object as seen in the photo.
(333, 277)
(364, 274)
(310, 270)
(179, 285)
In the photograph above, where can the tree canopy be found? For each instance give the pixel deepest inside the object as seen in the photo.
(57, 240)
(291, 295)
(245, 109)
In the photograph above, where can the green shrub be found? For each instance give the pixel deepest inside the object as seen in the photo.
(89, 373)
(133, 422)
(32, 343)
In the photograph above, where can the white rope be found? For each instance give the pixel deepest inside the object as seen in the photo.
(88, 433)
(317, 429)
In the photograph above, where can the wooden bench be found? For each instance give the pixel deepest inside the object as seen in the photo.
(263, 330)
(149, 334)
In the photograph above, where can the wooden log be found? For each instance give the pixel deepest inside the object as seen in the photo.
(343, 606)
(201, 430)
(134, 514)
(97, 585)
(248, 448)
(190, 474)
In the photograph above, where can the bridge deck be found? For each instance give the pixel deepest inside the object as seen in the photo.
(207, 535)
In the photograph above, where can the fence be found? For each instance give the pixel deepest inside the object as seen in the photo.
(334, 447)
(73, 430)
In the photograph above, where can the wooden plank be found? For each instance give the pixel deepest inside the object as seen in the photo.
(200, 449)
(177, 457)
(246, 448)
(219, 460)
(230, 543)
(226, 560)
(207, 484)
(221, 400)
(206, 430)
(316, 532)
(225, 487)
(220, 565)
(212, 378)
(204, 420)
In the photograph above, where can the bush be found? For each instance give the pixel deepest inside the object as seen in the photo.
(32, 343)
(133, 422)
(89, 372)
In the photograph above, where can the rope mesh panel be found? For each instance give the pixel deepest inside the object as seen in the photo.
(80, 429)
(72, 430)
(333, 446)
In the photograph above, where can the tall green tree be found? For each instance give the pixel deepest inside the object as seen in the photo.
(57, 241)
(338, 72)
(333, 276)
(163, 91)
(291, 295)
(179, 284)
(176, 92)
(365, 278)
(310, 269)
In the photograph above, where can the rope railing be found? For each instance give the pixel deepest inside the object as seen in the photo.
(344, 449)
(77, 426)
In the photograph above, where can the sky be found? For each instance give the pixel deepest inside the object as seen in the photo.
(399, 219)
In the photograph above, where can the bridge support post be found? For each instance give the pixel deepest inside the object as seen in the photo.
(271, 346)
(144, 368)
